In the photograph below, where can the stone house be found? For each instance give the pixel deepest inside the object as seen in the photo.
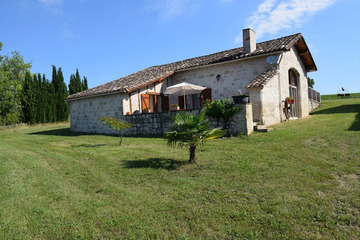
(139, 97)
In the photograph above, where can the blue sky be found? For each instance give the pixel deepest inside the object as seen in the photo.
(109, 39)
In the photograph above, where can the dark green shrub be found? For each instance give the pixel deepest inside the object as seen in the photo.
(223, 108)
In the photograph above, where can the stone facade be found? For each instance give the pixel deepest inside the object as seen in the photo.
(85, 113)
(269, 101)
(313, 105)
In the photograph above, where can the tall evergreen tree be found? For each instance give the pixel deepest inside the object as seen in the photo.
(27, 99)
(84, 84)
(72, 84)
(52, 102)
(78, 81)
(76, 85)
(62, 109)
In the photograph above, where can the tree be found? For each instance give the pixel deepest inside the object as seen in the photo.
(84, 84)
(76, 85)
(191, 131)
(117, 125)
(72, 84)
(61, 93)
(12, 75)
(311, 82)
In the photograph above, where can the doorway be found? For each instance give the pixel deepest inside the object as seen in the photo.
(293, 93)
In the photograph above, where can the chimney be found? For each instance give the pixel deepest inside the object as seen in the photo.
(249, 40)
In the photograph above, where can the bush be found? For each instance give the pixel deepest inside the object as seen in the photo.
(223, 108)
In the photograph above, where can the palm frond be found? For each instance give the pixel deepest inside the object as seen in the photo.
(215, 133)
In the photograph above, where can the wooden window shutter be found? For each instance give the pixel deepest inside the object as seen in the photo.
(145, 101)
(165, 103)
(205, 94)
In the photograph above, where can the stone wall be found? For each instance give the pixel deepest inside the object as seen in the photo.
(233, 76)
(313, 105)
(85, 113)
(152, 124)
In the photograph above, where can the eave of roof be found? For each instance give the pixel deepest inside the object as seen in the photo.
(262, 79)
(305, 55)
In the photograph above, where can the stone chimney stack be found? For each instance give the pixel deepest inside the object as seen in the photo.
(249, 40)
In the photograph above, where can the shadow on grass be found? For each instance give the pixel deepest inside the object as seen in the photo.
(356, 124)
(88, 145)
(65, 132)
(60, 132)
(350, 108)
(164, 163)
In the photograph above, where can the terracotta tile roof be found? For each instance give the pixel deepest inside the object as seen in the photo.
(156, 73)
(262, 79)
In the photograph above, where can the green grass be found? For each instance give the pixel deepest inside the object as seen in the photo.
(300, 181)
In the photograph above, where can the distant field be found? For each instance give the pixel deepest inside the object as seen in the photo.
(299, 181)
(335, 96)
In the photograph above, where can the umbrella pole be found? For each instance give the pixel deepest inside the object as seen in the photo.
(184, 100)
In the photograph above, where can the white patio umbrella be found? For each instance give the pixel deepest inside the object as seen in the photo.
(183, 89)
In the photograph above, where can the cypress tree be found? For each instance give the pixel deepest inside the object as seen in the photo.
(52, 102)
(54, 88)
(39, 100)
(45, 99)
(78, 87)
(84, 84)
(54, 79)
(72, 84)
(33, 106)
(26, 100)
(61, 93)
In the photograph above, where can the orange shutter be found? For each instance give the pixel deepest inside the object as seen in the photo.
(145, 101)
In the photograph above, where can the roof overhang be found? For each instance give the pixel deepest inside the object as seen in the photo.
(93, 96)
(305, 55)
(151, 81)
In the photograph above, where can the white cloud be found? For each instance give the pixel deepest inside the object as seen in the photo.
(274, 15)
(171, 8)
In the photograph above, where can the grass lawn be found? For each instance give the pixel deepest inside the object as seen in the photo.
(300, 181)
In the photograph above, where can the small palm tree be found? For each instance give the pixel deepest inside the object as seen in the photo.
(191, 131)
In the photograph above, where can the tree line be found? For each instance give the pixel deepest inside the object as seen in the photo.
(31, 98)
